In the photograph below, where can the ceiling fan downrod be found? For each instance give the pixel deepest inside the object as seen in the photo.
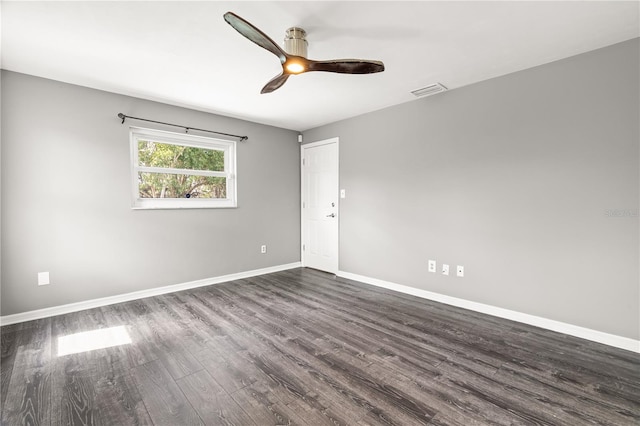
(295, 42)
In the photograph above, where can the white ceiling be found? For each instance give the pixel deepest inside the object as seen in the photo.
(184, 53)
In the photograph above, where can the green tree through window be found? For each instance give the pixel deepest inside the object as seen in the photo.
(174, 185)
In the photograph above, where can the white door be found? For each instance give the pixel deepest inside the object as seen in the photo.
(320, 205)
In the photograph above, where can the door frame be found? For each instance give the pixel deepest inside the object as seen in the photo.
(336, 141)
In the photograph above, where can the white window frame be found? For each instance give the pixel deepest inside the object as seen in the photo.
(183, 139)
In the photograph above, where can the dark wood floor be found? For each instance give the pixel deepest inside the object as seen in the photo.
(303, 347)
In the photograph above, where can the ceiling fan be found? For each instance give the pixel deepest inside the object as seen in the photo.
(294, 56)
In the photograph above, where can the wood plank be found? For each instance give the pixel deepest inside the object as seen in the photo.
(28, 398)
(118, 399)
(211, 402)
(264, 408)
(77, 399)
(164, 400)
(229, 372)
(73, 376)
(138, 352)
(8, 348)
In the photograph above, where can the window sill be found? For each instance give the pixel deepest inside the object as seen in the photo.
(179, 206)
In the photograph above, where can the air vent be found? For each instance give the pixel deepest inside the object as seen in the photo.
(431, 89)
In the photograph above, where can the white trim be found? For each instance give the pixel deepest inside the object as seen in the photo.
(171, 171)
(109, 300)
(302, 205)
(560, 327)
(320, 143)
(329, 141)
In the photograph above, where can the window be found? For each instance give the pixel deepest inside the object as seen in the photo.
(174, 170)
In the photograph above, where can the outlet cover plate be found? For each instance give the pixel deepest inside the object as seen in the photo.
(460, 271)
(445, 269)
(432, 266)
(43, 278)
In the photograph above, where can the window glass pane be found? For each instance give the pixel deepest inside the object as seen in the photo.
(156, 154)
(164, 185)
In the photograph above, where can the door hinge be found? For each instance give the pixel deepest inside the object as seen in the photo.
(303, 162)
(303, 247)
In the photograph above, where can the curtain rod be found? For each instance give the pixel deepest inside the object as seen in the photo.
(186, 128)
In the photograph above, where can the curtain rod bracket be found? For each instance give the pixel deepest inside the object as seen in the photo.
(186, 129)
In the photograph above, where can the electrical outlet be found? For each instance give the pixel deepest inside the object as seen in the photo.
(43, 278)
(460, 271)
(263, 249)
(432, 266)
(445, 269)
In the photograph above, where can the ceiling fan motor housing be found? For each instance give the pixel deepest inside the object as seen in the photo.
(295, 42)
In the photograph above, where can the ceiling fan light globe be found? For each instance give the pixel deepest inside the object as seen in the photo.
(295, 67)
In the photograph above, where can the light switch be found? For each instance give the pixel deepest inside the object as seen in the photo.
(343, 193)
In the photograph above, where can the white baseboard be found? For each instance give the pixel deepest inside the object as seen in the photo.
(561, 327)
(110, 300)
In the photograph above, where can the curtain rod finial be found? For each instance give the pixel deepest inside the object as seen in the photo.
(121, 115)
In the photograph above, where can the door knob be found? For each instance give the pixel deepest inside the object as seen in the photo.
(331, 215)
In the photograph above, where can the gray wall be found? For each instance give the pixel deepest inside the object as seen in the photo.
(66, 199)
(514, 178)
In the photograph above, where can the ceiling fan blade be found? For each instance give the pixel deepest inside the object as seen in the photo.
(275, 83)
(347, 66)
(255, 35)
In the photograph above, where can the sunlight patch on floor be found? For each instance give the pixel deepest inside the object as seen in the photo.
(92, 340)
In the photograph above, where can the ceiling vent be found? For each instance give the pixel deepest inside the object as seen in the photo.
(431, 89)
